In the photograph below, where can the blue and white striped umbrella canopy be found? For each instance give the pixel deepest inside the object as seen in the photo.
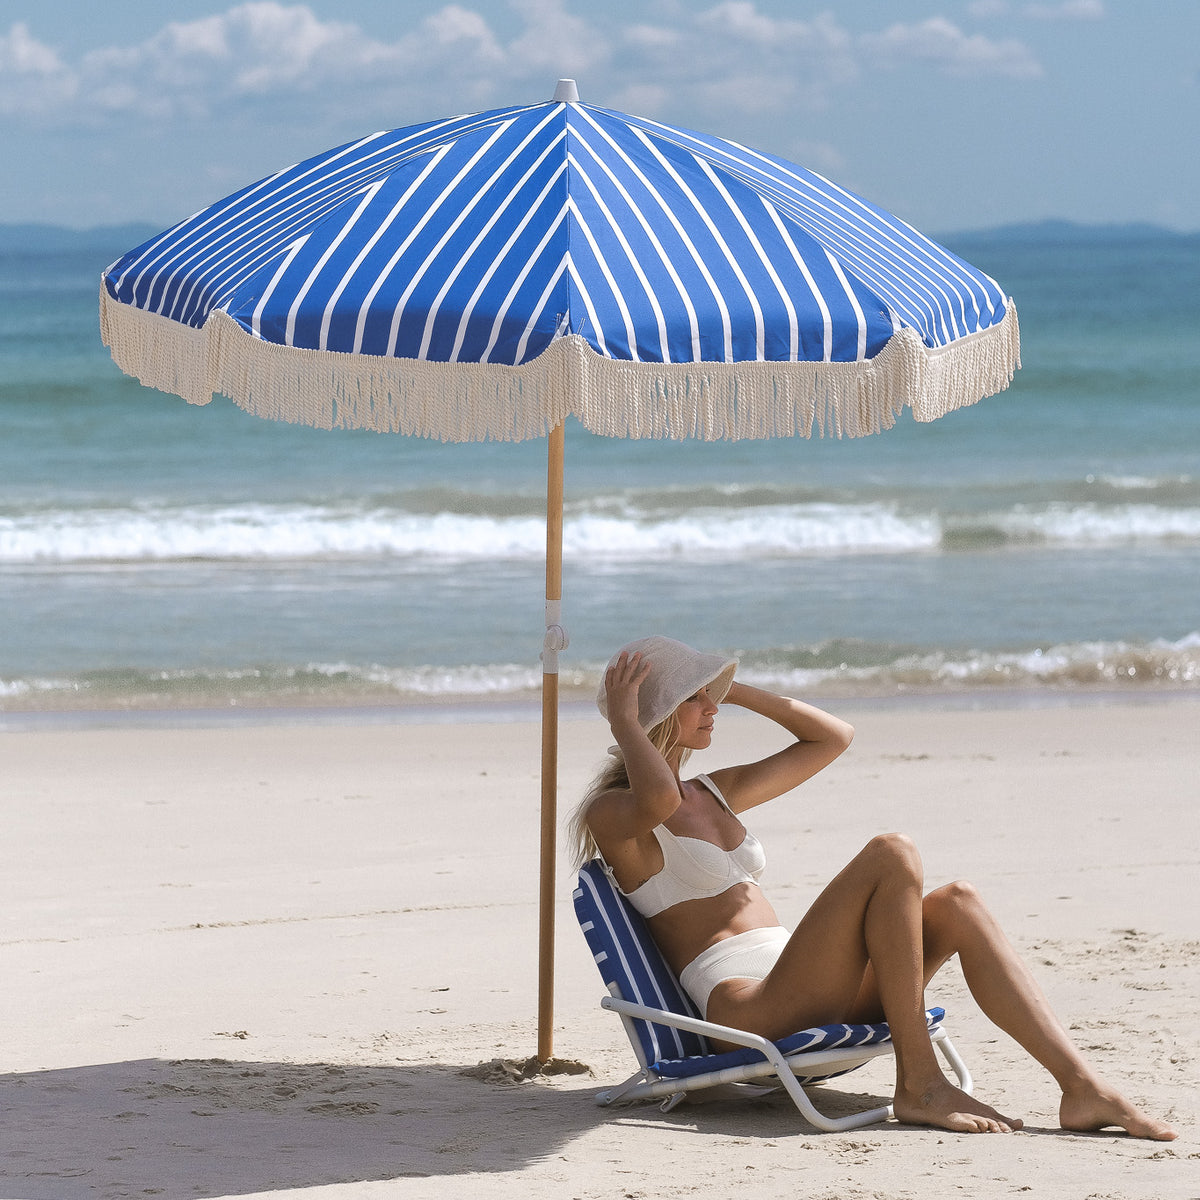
(486, 276)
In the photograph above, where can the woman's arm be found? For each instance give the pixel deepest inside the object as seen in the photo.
(653, 789)
(820, 738)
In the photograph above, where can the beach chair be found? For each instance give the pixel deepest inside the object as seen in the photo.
(670, 1039)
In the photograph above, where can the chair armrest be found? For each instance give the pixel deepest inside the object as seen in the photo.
(661, 1016)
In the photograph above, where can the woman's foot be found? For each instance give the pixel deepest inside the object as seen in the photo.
(1098, 1107)
(944, 1106)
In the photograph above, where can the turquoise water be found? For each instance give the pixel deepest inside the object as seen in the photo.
(1046, 539)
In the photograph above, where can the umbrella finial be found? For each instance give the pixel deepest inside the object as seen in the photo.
(566, 92)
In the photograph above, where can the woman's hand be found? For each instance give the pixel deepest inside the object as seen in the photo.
(623, 815)
(622, 683)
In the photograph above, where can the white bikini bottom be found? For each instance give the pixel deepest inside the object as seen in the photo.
(749, 955)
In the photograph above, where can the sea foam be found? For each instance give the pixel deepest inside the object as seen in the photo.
(281, 532)
(1119, 667)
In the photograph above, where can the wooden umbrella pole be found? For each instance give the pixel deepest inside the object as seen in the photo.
(556, 640)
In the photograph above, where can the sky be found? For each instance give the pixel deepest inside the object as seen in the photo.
(955, 114)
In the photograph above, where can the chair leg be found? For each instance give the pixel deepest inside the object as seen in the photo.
(872, 1116)
(615, 1094)
(801, 1099)
(950, 1054)
(796, 1093)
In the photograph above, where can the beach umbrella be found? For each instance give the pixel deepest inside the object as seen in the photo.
(485, 277)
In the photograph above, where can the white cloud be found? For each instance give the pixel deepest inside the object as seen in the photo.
(21, 54)
(696, 65)
(983, 10)
(1067, 10)
(734, 57)
(256, 49)
(740, 19)
(555, 41)
(462, 29)
(33, 78)
(941, 43)
(266, 50)
(652, 38)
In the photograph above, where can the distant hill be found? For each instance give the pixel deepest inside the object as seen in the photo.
(1059, 232)
(56, 239)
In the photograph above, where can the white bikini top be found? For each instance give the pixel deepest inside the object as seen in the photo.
(694, 869)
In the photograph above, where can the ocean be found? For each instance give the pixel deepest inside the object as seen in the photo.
(1043, 544)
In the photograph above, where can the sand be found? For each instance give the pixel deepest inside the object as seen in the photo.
(292, 959)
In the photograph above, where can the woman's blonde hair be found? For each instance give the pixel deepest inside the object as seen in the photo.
(614, 777)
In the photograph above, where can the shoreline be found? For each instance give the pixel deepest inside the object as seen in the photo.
(574, 704)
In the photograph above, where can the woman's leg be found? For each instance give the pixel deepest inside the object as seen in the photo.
(956, 921)
(871, 913)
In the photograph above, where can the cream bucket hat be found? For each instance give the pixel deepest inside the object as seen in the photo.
(676, 672)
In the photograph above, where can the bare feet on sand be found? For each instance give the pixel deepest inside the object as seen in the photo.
(1084, 1110)
(1099, 1107)
(944, 1106)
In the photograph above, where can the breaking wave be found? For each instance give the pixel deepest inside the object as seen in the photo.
(296, 532)
(837, 669)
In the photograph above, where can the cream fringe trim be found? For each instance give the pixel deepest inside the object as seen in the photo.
(159, 352)
(473, 402)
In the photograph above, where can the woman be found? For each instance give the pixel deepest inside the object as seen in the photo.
(865, 949)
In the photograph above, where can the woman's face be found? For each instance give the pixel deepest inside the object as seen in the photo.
(694, 718)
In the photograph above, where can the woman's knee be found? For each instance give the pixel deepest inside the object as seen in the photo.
(953, 902)
(897, 852)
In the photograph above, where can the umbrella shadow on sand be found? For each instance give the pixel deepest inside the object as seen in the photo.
(218, 1127)
(206, 1128)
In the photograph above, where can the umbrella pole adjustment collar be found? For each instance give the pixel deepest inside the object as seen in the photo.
(555, 640)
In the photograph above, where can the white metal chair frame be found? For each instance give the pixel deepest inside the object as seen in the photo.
(629, 961)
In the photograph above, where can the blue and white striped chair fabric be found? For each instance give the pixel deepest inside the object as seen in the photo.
(671, 1040)
(627, 957)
